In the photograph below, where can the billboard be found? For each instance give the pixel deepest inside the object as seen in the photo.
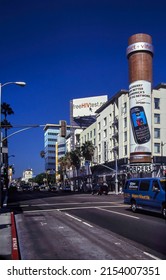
(87, 106)
(140, 119)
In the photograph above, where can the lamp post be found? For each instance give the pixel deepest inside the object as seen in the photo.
(2, 85)
(116, 174)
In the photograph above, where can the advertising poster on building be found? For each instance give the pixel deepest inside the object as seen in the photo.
(87, 106)
(140, 120)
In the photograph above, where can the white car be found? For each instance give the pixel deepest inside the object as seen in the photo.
(43, 188)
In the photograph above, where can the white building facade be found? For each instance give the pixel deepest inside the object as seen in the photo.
(112, 132)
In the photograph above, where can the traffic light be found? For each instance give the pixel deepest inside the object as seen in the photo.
(5, 176)
(5, 173)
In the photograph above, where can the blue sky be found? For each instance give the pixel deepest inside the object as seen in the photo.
(65, 49)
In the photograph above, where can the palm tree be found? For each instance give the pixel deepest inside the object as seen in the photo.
(87, 150)
(75, 157)
(65, 163)
(6, 110)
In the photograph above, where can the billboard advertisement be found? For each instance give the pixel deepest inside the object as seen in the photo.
(140, 119)
(87, 106)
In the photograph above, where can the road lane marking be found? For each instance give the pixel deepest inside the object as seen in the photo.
(79, 220)
(73, 217)
(122, 214)
(87, 224)
(152, 256)
(70, 208)
(43, 223)
(70, 203)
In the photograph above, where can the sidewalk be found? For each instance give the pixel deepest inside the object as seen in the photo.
(5, 234)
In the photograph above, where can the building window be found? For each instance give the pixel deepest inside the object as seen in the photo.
(99, 148)
(125, 122)
(99, 125)
(94, 132)
(105, 150)
(105, 133)
(157, 133)
(125, 136)
(156, 103)
(90, 134)
(157, 118)
(99, 137)
(125, 108)
(157, 148)
(105, 121)
(125, 150)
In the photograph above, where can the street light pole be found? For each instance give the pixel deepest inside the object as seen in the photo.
(116, 174)
(1, 154)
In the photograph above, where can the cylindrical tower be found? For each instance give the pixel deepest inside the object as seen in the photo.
(140, 55)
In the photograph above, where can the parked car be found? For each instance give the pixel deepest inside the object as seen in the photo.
(95, 188)
(66, 188)
(52, 188)
(26, 188)
(36, 188)
(43, 188)
(12, 188)
(100, 189)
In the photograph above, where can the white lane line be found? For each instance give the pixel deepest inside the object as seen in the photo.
(86, 207)
(87, 224)
(70, 208)
(114, 212)
(40, 210)
(73, 217)
(152, 256)
(73, 203)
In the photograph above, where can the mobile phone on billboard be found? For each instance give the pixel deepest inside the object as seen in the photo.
(139, 125)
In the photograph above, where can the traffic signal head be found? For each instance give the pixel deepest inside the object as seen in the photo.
(5, 172)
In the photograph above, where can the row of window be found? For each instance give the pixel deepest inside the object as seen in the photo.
(156, 116)
(52, 133)
(156, 134)
(157, 149)
(90, 135)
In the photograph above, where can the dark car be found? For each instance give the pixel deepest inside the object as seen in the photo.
(52, 188)
(96, 188)
(100, 189)
(36, 188)
(26, 188)
(66, 188)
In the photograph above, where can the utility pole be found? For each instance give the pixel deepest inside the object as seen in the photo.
(116, 174)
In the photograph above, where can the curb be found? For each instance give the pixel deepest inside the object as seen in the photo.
(15, 250)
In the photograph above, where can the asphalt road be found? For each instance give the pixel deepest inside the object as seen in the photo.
(84, 226)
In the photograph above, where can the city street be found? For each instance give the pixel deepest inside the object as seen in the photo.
(84, 226)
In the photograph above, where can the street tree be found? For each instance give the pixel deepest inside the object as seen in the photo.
(6, 110)
(87, 150)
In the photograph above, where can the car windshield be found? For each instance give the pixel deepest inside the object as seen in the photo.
(163, 184)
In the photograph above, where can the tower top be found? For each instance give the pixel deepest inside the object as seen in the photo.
(138, 43)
